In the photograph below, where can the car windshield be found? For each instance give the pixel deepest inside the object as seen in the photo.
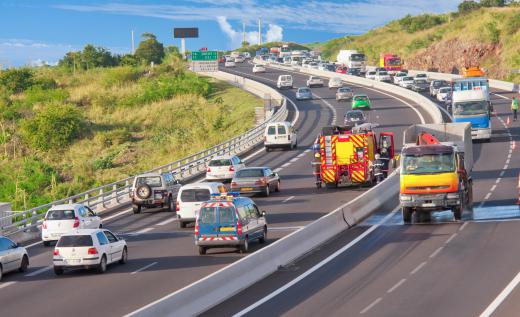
(470, 108)
(195, 194)
(207, 215)
(304, 90)
(361, 98)
(75, 241)
(438, 84)
(357, 57)
(344, 89)
(152, 181)
(383, 73)
(421, 81)
(400, 75)
(420, 75)
(60, 215)
(371, 73)
(354, 115)
(408, 78)
(220, 162)
(444, 90)
(271, 130)
(254, 172)
(394, 62)
(428, 164)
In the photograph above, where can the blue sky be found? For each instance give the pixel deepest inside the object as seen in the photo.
(34, 30)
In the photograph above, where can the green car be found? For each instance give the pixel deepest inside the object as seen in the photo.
(361, 102)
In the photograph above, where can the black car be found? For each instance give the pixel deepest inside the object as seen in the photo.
(420, 85)
(353, 71)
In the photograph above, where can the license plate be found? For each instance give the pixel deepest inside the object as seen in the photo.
(72, 261)
(428, 205)
(247, 189)
(227, 229)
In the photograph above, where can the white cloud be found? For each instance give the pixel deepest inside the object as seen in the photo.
(274, 33)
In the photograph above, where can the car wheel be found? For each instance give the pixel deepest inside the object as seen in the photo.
(100, 225)
(102, 267)
(182, 224)
(46, 243)
(263, 238)
(136, 209)
(244, 247)
(277, 186)
(266, 191)
(124, 256)
(58, 270)
(202, 250)
(267, 149)
(24, 265)
(1, 272)
(171, 205)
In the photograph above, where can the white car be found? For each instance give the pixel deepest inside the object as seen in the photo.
(406, 82)
(284, 81)
(398, 77)
(335, 82)
(229, 64)
(420, 76)
(258, 69)
(62, 219)
(223, 167)
(443, 93)
(191, 197)
(370, 75)
(12, 257)
(239, 59)
(313, 65)
(280, 135)
(314, 81)
(383, 76)
(87, 249)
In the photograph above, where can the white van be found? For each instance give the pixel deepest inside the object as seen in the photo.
(191, 196)
(284, 81)
(280, 135)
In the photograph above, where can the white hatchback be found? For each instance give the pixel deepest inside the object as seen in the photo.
(89, 248)
(61, 219)
(335, 82)
(191, 197)
(258, 69)
(223, 167)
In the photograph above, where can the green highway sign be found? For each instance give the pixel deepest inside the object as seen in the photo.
(204, 56)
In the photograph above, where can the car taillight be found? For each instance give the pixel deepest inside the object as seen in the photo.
(233, 184)
(208, 170)
(92, 251)
(177, 206)
(56, 252)
(261, 181)
(231, 168)
(76, 222)
(239, 227)
(44, 225)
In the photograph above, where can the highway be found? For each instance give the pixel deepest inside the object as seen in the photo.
(163, 258)
(383, 268)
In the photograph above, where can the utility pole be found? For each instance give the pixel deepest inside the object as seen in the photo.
(259, 31)
(243, 31)
(133, 47)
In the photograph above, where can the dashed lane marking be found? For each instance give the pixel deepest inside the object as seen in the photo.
(451, 238)
(418, 268)
(117, 215)
(40, 271)
(436, 252)
(393, 288)
(463, 226)
(287, 199)
(3, 285)
(144, 268)
(374, 303)
(167, 221)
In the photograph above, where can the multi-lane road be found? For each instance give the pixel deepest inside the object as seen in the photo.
(392, 270)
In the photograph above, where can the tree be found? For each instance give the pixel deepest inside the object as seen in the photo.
(149, 50)
(467, 6)
(492, 3)
(172, 50)
(245, 44)
(129, 60)
(16, 80)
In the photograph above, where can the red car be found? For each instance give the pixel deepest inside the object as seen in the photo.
(341, 69)
(221, 59)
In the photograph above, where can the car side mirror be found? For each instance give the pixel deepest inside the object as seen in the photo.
(15, 245)
(264, 213)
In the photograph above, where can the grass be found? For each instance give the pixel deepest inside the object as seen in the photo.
(134, 120)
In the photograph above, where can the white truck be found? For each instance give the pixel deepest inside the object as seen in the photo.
(352, 59)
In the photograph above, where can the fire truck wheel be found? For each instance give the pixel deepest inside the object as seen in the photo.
(407, 215)
(457, 212)
(331, 185)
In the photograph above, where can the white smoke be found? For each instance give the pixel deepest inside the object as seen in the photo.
(274, 33)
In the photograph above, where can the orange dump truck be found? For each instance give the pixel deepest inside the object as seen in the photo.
(436, 163)
(347, 154)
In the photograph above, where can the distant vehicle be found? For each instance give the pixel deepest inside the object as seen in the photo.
(223, 167)
(303, 93)
(314, 81)
(398, 77)
(355, 117)
(391, 62)
(222, 59)
(370, 75)
(443, 93)
(361, 102)
(12, 257)
(305, 63)
(88, 249)
(313, 65)
(258, 69)
(246, 55)
(229, 63)
(353, 72)
(420, 85)
(153, 190)
(341, 70)
(344, 93)
(61, 219)
(383, 76)
(229, 222)
(352, 59)
(335, 82)
(191, 197)
(380, 69)
(435, 85)
(239, 59)
(420, 76)
(330, 68)
(256, 180)
(284, 81)
(280, 135)
(406, 82)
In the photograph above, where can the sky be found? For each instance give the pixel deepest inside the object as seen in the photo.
(34, 31)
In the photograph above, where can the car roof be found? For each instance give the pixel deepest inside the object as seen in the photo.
(77, 232)
(223, 157)
(66, 206)
(279, 122)
(201, 185)
(254, 168)
(360, 95)
(149, 174)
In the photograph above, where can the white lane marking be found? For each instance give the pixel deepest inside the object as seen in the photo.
(315, 267)
(40, 271)
(167, 221)
(307, 151)
(487, 196)
(451, 238)
(33, 244)
(284, 228)
(374, 303)
(493, 188)
(420, 266)
(501, 297)
(276, 170)
(250, 156)
(434, 254)
(498, 180)
(2, 285)
(500, 96)
(287, 199)
(117, 215)
(286, 164)
(145, 230)
(293, 159)
(393, 288)
(331, 107)
(463, 226)
(144, 268)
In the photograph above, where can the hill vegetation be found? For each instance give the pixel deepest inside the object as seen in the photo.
(94, 120)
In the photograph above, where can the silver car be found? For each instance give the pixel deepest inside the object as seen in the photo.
(12, 257)
(344, 93)
(303, 94)
(256, 180)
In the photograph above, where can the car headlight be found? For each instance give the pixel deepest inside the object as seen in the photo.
(405, 197)
(452, 195)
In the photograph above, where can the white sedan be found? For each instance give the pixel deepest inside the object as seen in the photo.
(12, 257)
(258, 69)
(335, 82)
(89, 248)
(443, 93)
(370, 75)
(314, 81)
(229, 64)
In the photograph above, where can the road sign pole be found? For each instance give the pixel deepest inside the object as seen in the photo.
(183, 47)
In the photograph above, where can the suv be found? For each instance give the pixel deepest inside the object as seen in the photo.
(154, 190)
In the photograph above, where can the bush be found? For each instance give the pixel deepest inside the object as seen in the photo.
(120, 76)
(492, 32)
(512, 24)
(38, 95)
(165, 87)
(468, 6)
(16, 80)
(53, 127)
(421, 22)
(45, 83)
